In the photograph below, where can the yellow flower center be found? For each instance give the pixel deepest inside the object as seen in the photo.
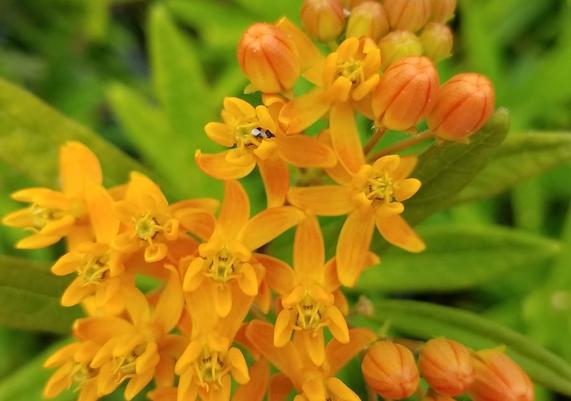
(250, 135)
(379, 188)
(125, 366)
(352, 70)
(80, 373)
(210, 368)
(42, 216)
(94, 269)
(223, 266)
(147, 228)
(309, 313)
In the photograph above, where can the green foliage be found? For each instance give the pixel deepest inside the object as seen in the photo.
(457, 257)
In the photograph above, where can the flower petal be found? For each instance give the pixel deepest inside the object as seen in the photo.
(235, 209)
(314, 344)
(396, 230)
(77, 167)
(169, 307)
(353, 245)
(268, 224)
(238, 366)
(280, 387)
(303, 111)
(279, 276)
(337, 324)
(256, 388)
(406, 167)
(220, 133)
(339, 354)
(217, 166)
(406, 189)
(325, 200)
(283, 328)
(275, 175)
(248, 281)
(304, 151)
(198, 221)
(222, 299)
(37, 241)
(345, 137)
(100, 207)
(309, 250)
(341, 390)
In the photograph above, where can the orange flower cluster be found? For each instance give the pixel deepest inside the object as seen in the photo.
(190, 334)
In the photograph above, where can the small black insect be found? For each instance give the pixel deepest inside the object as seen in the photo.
(260, 134)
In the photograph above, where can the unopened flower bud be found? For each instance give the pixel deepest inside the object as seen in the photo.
(463, 105)
(368, 19)
(437, 40)
(323, 19)
(405, 93)
(390, 370)
(410, 15)
(447, 366)
(269, 58)
(442, 10)
(499, 378)
(398, 45)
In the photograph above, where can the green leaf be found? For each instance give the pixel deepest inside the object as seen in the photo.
(426, 320)
(29, 297)
(445, 169)
(519, 158)
(457, 257)
(32, 133)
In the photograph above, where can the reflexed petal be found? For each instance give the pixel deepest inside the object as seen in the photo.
(77, 167)
(248, 281)
(208, 204)
(170, 304)
(235, 210)
(220, 133)
(406, 189)
(238, 365)
(275, 174)
(303, 111)
(199, 222)
(100, 329)
(338, 354)
(256, 388)
(325, 200)
(268, 224)
(309, 250)
(217, 166)
(338, 173)
(146, 194)
(100, 207)
(314, 344)
(279, 276)
(353, 245)
(280, 387)
(397, 231)
(341, 390)
(345, 137)
(304, 151)
(309, 54)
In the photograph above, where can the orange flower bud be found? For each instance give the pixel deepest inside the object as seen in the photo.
(442, 10)
(323, 19)
(398, 45)
(436, 397)
(498, 378)
(405, 94)
(368, 19)
(463, 105)
(268, 58)
(447, 366)
(390, 370)
(410, 15)
(436, 41)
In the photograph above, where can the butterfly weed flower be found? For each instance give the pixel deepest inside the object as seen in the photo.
(409, 15)
(368, 19)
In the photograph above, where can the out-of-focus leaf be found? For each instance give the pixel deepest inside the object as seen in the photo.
(529, 206)
(16, 348)
(457, 257)
(426, 320)
(32, 133)
(96, 18)
(29, 297)
(27, 383)
(517, 159)
(445, 169)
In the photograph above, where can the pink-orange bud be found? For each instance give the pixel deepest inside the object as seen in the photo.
(269, 58)
(437, 40)
(498, 378)
(463, 105)
(390, 370)
(405, 94)
(442, 10)
(447, 366)
(410, 15)
(398, 45)
(323, 19)
(368, 19)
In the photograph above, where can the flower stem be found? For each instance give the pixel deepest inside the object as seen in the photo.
(407, 143)
(377, 136)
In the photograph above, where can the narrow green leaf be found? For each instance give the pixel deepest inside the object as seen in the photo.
(29, 297)
(32, 133)
(519, 158)
(426, 320)
(445, 169)
(457, 257)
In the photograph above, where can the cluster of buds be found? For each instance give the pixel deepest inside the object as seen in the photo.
(450, 370)
(209, 259)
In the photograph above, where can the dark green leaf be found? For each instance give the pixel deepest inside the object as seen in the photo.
(29, 297)
(457, 257)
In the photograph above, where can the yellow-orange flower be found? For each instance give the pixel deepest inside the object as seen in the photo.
(53, 215)
(312, 382)
(150, 223)
(308, 294)
(347, 78)
(227, 260)
(372, 196)
(256, 138)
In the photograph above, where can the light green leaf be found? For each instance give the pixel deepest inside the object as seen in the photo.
(31, 133)
(29, 297)
(445, 169)
(457, 257)
(426, 320)
(519, 158)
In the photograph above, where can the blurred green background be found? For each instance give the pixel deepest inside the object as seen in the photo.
(102, 63)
